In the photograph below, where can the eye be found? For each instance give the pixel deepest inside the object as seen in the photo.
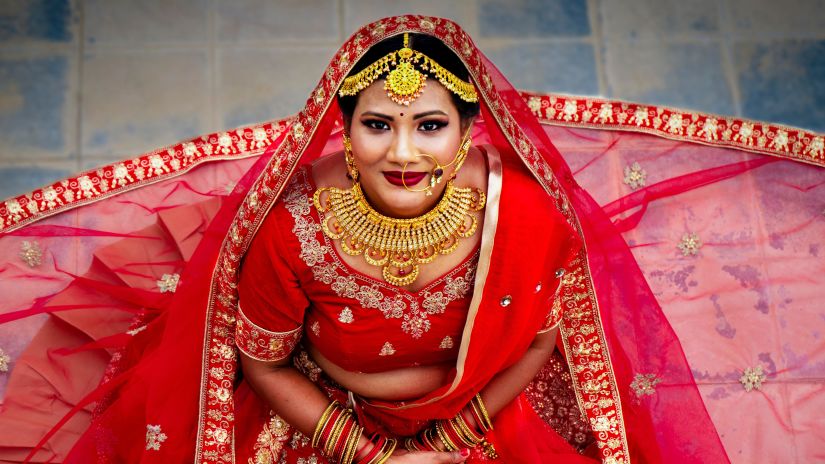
(431, 126)
(376, 124)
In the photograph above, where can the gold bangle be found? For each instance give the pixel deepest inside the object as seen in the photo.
(337, 428)
(390, 448)
(439, 427)
(488, 422)
(316, 436)
(463, 434)
(352, 445)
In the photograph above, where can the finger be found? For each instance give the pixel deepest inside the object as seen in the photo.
(457, 456)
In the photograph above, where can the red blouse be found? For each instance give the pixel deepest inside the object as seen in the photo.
(292, 277)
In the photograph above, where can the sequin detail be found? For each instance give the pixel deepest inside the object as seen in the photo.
(634, 176)
(690, 244)
(168, 283)
(752, 378)
(30, 253)
(154, 437)
(387, 350)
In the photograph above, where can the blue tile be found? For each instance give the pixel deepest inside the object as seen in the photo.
(48, 20)
(17, 180)
(646, 19)
(684, 75)
(533, 18)
(32, 99)
(564, 68)
(783, 81)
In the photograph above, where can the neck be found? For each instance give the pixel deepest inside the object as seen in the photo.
(427, 204)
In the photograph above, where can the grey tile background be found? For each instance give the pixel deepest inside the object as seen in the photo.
(86, 82)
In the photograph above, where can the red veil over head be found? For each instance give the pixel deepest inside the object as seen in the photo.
(120, 314)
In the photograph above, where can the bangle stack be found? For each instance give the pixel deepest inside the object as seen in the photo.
(455, 433)
(337, 435)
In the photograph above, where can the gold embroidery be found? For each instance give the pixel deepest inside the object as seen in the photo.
(446, 343)
(270, 441)
(261, 344)
(387, 350)
(690, 244)
(154, 437)
(634, 176)
(644, 384)
(316, 328)
(346, 316)
(30, 253)
(168, 283)
(4, 361)
(326, 268)
(752, 378)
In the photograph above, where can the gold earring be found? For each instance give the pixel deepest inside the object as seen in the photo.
(352, 171)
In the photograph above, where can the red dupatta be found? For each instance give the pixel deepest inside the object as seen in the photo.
(173, 383)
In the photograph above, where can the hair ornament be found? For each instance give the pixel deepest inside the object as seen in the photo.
(406, 79)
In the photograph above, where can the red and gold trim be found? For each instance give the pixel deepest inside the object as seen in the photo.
(688, 126)
(558, 110)
(264, 345)
(145, 169)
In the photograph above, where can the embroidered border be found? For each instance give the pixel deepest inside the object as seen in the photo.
(676, 124)
(155, 166)
(264, 345)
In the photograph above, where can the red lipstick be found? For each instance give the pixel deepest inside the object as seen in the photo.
(410, 177)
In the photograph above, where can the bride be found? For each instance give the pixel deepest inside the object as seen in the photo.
(407, 271)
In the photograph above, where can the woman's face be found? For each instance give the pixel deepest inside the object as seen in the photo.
(387, 136)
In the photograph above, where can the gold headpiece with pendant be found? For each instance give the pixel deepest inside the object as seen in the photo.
(405, 79)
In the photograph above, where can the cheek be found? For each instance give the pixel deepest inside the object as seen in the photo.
(369, 148)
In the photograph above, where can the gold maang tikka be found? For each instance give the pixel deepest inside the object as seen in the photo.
(404, 77)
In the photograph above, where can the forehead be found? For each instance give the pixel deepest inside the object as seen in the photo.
(434, 96)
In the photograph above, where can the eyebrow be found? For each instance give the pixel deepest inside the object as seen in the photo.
(417, 116)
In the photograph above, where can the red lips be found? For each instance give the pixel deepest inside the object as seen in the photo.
(410, 177)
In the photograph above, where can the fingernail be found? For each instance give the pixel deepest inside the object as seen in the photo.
(465, 453)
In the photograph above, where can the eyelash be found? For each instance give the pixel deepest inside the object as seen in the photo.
(380, 125)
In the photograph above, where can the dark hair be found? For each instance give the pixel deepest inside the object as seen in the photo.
(427, 45)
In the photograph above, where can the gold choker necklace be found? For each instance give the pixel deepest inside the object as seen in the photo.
(399, 246)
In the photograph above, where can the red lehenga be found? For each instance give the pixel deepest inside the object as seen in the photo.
(689, 292)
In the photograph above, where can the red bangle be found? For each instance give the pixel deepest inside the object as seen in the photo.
(327, 430)
(376, 449)
(340, 444)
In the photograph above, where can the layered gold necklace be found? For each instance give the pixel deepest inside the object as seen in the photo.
(398, 246)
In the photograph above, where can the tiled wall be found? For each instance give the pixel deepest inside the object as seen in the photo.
(85, 82)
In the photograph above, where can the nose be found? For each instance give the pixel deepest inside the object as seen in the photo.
(402, 150)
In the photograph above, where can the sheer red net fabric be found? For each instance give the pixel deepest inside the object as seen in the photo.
(692, 309)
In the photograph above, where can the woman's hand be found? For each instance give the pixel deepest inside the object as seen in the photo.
(428, 457)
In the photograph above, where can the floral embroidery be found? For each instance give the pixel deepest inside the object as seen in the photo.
(635, 176)
(4, 361)
(136, 331)
(168, 283)
(690, 244)
(264, 345)
(270, 441)
(30, 253)
(316, 328)
(644, 384)
(387, 350)
(446, 343)
(752, 378)
(346, 315)
(154, 437)
(316, 252)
